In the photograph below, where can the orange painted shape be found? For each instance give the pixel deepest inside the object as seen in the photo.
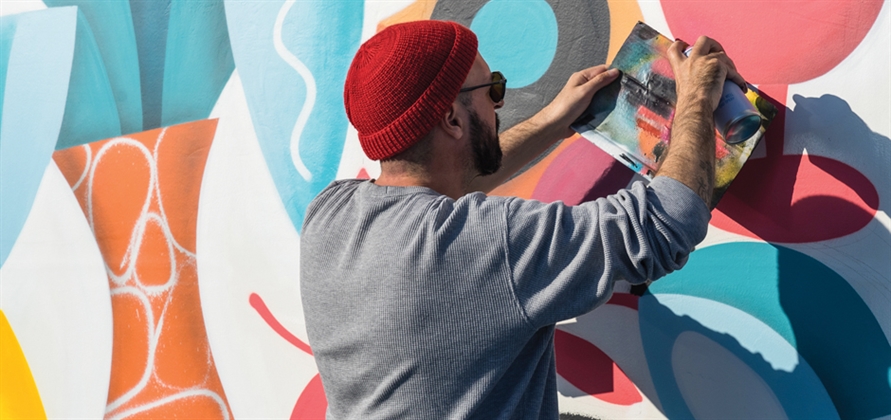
(154, 266)
(200, 406)
(141, 199)
(524, 184)
(623, 15)
(179, 163)
(419, 10)
(130, 325)
(185, 339)
(123, 172)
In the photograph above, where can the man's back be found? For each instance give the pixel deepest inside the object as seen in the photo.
(421, 306)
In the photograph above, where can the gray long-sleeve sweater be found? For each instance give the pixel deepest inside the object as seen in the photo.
(420, 306)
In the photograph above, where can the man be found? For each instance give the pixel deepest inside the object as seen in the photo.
(426, 300)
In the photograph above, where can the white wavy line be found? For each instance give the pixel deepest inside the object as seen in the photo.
(153, 345)
(185, 394)
(89, 152)
(173, 280)
(142, 291)
(310, 81)
(121, 279)
(165, 225)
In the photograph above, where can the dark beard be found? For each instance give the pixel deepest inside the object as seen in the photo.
(485, 145)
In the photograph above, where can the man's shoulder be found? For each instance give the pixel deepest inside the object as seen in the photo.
(339, 186)
(334, 192)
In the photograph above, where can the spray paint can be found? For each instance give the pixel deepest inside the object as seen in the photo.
(735, 117)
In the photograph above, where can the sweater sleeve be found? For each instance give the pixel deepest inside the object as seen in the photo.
(565, 259)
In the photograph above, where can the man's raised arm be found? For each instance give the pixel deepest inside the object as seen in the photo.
(700, 80)
(530, 138)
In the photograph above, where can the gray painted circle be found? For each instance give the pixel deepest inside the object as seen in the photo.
(582, 42)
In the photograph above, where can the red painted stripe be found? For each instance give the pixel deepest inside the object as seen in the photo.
(260, 307)
(312, 403)
(590, 370)
(624, 299)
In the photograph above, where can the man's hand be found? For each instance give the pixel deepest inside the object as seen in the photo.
(574, 98)
(700, 81)
(530, 138)
(701, 75)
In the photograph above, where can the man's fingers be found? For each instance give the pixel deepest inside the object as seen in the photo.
(676, 53)
(603, 78)
(705, 45)
(584, 76)
(733, 73)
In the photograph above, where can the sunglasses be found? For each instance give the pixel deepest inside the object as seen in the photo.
(497, 87)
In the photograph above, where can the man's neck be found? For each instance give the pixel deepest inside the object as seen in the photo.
(446, 183)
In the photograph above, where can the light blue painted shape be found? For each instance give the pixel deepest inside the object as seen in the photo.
(7, 32)
(324, 36)
(150, 20)
(112, 27)
(519, 38)
(91, 113)
(198, 61)
(37, 75)
(770, 356)
(752, 334)
(805, 302)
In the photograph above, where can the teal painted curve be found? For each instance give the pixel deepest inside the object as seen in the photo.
(150, 22)
(91, 112)
(795, 385)
(198, 60)
(36, 90)
(807, 303)
(519, 38)
(324, 37)
(112, 26)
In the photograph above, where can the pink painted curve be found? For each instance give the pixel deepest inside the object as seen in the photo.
(312, 403)
(777, 42)
(582, 172)
(260, 306)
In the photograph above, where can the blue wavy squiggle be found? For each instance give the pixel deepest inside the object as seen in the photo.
(294, 87)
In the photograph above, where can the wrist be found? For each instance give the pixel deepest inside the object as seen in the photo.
(694, 101)
(695, 109)
(548, 129)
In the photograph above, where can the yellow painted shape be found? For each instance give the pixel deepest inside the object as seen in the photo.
(19, 398)
(419, 10)
(623, 15)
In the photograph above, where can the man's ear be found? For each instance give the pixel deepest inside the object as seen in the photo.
(452, 122)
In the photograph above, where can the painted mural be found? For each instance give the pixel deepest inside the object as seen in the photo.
(156, 160)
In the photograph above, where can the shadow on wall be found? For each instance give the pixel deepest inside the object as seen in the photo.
(827, 125)
(802, 195)
(752, 330)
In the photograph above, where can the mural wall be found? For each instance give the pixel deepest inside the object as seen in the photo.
(157, 158)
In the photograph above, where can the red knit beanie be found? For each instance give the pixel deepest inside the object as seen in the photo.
(403, 80)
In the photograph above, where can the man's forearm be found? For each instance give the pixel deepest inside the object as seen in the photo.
(691, 153)
(527, 140)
